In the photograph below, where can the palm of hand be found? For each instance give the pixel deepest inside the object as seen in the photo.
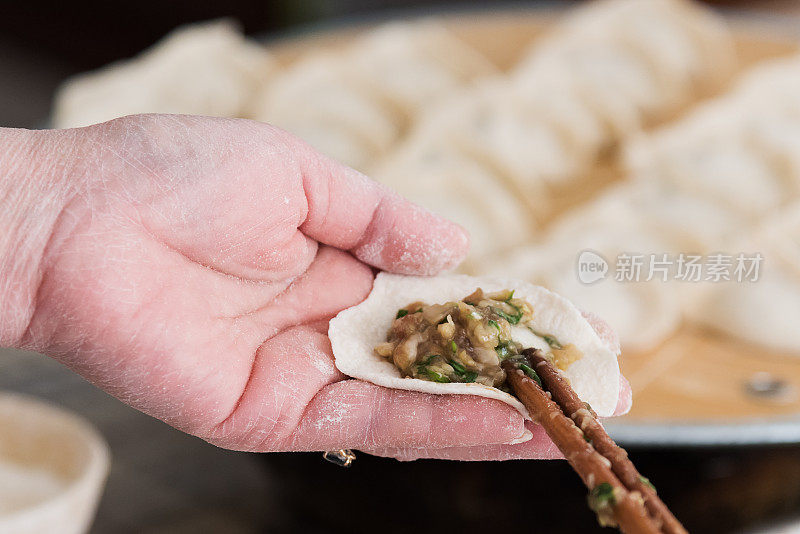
(194, 274)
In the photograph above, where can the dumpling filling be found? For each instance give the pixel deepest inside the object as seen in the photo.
(465, 341)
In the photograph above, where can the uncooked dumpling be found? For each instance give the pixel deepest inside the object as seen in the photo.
(490, 124)
(203, 69)
(642, 313)
(685, 223)
(739, 150)
(633, 61)
(765, 311)
(414, 65)
(718, 161)
(318, 100)
(440, 178)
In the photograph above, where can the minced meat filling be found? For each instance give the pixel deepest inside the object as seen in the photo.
(461, 341)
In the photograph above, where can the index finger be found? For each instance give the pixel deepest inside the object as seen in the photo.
(349, 211)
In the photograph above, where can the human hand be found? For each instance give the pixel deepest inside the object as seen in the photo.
(191, 269)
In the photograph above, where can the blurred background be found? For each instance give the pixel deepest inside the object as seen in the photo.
(731, 468)
(45, 41)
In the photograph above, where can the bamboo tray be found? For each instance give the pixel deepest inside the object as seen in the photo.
(698, 387)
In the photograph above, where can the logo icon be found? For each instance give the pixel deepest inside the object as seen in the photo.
(592, 267)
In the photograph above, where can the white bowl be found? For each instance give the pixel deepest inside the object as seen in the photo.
(53, 467)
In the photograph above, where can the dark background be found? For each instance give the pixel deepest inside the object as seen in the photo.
(163, 481)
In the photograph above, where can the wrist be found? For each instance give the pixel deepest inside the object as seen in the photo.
(34, 188)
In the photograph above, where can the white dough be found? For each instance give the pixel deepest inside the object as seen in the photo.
(643, 314)
(720, 163)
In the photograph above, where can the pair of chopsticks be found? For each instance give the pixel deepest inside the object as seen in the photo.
(618, 493)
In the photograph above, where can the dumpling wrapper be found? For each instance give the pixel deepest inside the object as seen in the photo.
(356, 331)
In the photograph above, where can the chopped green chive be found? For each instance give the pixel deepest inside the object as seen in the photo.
(601, 495)
(401, 313)
(429, 359)
(503, 351)
(550, 340)
(513, 319)
(436, 377)
(510, 296)
(602, 500)
(422, 367)
(553, 342)
(454, 347)
(528, 370)
(646, 482)
(460, 369)
(493, 323)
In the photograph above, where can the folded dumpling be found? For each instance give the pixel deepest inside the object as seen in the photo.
(319, 100)
(739, 150)
(202, 69)
(436, 175)
(414, 65)
(760, 302)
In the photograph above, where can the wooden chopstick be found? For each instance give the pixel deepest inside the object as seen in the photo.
(585, 418)
(595, 469)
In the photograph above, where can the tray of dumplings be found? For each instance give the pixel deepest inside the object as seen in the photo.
(641, 157)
